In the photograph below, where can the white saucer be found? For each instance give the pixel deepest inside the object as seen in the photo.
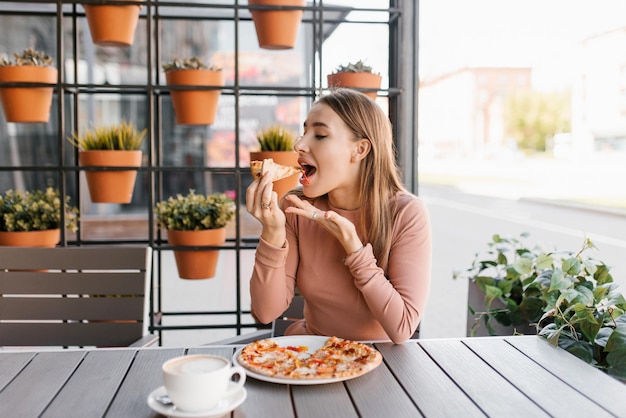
(223, 407)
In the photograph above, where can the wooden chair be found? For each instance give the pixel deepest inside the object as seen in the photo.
(74, 296)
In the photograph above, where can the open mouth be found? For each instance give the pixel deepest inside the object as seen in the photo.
(307, 172)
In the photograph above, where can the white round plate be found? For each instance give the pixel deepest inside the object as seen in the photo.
(312, 342)
(223, 407)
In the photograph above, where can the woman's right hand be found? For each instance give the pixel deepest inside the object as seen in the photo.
(262, 203)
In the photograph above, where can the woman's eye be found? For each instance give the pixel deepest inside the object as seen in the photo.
(320, 136)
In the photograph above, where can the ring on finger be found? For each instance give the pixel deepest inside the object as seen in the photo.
(266, 205)
(314, 216)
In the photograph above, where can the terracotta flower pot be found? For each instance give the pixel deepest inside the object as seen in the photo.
(115, 186)
(196, 264)
(356, 81)
(195, 107)
(277, 29)
(27, 104)
(46, 238)
(281, 187)
(112, 24)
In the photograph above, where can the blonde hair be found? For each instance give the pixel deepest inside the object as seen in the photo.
(380, 181)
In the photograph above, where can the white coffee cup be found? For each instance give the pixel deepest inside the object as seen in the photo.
(197, 383)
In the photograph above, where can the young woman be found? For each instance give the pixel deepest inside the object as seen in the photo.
(353, 241)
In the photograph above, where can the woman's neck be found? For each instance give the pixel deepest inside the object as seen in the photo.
(343, 201)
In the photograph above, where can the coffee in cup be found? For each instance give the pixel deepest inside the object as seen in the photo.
(197, 383)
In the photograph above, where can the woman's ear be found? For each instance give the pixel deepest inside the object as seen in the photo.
(361, 149)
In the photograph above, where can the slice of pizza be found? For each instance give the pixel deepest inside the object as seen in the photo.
(277, 171)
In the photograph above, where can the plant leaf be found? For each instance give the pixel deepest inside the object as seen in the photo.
(491, 293)
(617, 339)
(571, 266)
(616, 362)
(523, 265)
(558, 281)
(544, 261)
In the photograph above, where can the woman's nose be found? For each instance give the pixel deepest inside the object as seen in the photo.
(299, 145)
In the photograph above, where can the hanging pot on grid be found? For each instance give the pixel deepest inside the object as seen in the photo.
(276, 28)
(28, 104)
(112, 24)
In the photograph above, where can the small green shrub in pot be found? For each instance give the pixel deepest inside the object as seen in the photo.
(570, 295)
(195, 212)
(35, 210)
(196, 220)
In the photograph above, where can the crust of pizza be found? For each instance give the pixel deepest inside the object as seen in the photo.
(277, 171)
(337, 358)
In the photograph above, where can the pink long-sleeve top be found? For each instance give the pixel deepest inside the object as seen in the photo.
(349, 297)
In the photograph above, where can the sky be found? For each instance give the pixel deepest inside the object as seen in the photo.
(542, 34)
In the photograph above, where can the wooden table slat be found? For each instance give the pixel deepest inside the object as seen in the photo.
(530, 378)
(307, 401)
(480, 383)
(11, 364)
(89, 387)
(605, 390)
(257, 403)
(38, 383)
(429, 386)
(377, 393)
(144, 376)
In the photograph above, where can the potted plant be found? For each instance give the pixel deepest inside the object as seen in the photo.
(33, 218)
(194, 107)
(117, 145)
(112, 24)
(276, 27)
(27, 104)
(569, 296)
(195, 220)
(356, 75)
(276, 142)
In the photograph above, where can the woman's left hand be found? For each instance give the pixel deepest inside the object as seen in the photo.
(339, 226)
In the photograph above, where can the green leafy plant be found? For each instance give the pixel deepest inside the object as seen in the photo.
(193, 63)
(28, 57)
(122, 136)
(354, 67)
(276, 138)
(35, 210)
(195, 212)
(570, 296)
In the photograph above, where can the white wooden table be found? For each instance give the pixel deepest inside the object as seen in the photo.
(493, 376)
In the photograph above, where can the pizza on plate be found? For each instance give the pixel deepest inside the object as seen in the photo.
(337, 358)
(277, 171)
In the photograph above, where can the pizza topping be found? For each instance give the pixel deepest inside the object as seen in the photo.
(336, 358)
(275, 170)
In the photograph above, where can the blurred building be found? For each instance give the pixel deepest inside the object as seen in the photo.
(462, 113)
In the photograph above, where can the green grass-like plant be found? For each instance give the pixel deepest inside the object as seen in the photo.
(570, 297)
(195, 212)
(276, 138)
(120, 137)
(35, 210)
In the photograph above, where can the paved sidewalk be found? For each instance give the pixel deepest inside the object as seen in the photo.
(594, 181)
